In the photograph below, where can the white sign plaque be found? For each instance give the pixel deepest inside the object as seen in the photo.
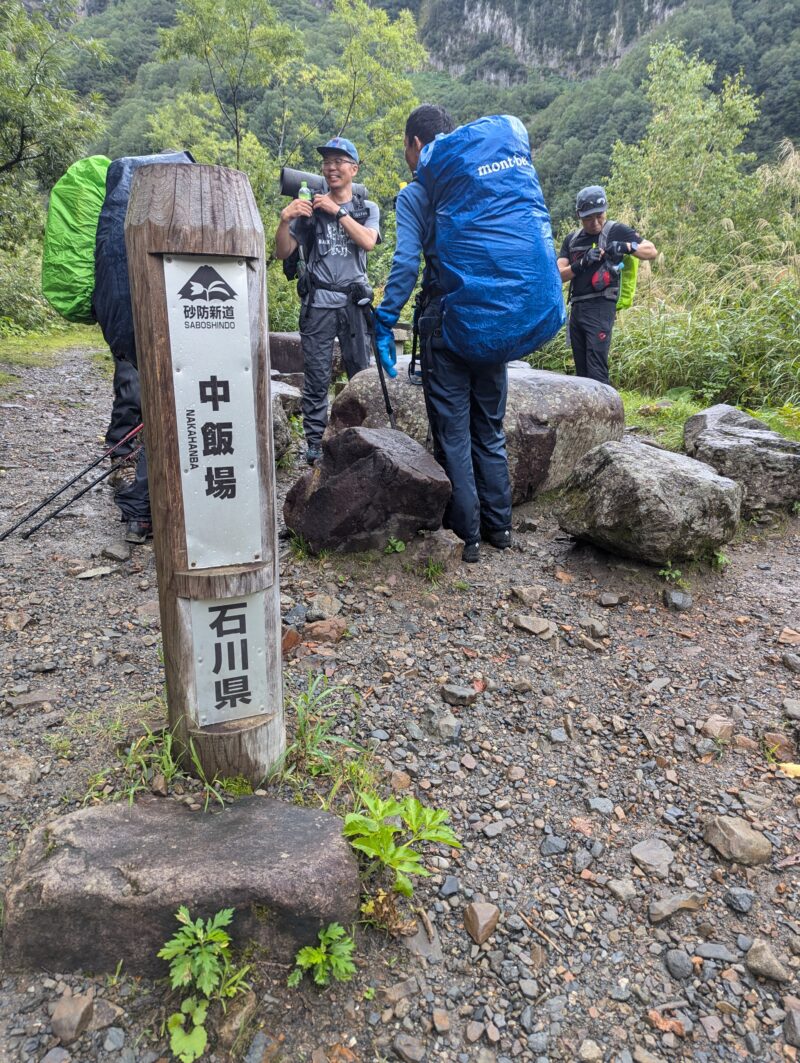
(229, 639)
(212, 375)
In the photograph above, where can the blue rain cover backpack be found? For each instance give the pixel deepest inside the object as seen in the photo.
(494, 242)
(112, 291)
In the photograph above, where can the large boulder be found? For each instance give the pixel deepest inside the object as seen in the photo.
(648, 503)
(551, 420)
(372, 484)
(765, 463)
(103, 884)
(286, 353)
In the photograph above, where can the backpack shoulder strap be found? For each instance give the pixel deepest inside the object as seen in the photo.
(602, 239)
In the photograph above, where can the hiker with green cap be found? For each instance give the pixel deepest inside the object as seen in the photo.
(338, 228)
(591, 260)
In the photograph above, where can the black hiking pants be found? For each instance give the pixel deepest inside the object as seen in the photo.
(132, 498)
(126, 412)
(319, 327)
(466, 404)
(589, 330)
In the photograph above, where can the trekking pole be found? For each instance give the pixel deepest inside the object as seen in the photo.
(92, 483)
(69, 483)
(379, 363)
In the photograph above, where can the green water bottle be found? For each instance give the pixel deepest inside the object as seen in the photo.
(304, 192)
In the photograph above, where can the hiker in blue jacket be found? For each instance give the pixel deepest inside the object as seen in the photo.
(465, 402)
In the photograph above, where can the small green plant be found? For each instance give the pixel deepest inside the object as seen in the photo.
(296, 426)
(389, 844)
(199, 961)
(673, 575)
(433, 571)
(719, 561)
(332, 958)
(210, 786)
(237, 786)
(770, 752)
(461, 585)
(369, 992)
(313, 748)
(394, 546)
(59, 745)
(188, 1042)
(299, 547)
(796, 509)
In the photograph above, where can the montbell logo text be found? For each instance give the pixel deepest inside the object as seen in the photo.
(503, 164)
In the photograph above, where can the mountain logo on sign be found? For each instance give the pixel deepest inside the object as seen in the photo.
(208, 285)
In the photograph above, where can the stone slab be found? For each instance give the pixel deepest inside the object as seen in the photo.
(103, 884)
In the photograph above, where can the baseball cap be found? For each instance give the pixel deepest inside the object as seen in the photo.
(591, 200)
(340, 145)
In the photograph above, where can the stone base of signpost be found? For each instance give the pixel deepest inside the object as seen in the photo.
(103, 885)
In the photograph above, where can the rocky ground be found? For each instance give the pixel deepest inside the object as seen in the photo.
(602, 757)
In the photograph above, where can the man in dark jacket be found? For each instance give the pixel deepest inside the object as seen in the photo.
(465, 402)
(589, 259)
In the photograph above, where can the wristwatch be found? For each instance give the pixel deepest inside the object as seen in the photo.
(341, 213)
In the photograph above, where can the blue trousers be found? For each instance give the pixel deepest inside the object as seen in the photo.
(466, 405)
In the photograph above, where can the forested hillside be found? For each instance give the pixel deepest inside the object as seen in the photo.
(692, 122)
(575, 80)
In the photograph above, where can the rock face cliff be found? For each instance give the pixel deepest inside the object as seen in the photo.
(578, 36)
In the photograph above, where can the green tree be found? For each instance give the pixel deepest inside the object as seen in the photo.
(367, 86)
(241, 43)
(43, 126)
(686, 182)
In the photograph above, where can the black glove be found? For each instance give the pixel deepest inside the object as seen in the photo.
(617, 249)
(592, 258)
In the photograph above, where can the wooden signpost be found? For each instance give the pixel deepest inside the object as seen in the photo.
(196, 262)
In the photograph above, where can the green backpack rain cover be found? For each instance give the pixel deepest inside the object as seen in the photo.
(69, 237)
(627, 282)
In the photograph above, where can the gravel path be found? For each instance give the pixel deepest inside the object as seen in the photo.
(625, 724)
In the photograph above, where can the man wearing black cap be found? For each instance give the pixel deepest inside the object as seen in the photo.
(590, 260)
(338, 229)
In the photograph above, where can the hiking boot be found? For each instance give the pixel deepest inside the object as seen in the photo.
(471, 553)
(138, 531)
(313, 454)
(500, 539)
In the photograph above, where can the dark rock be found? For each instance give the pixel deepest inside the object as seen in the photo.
(649, 504)
(456, 695)
(677, 601)
(739, 900)
(551, 420)
(679, 963)
(791, 1027)
(371, 485)
(765, 463)
(791, 661)
(103, 884)
(552, 846)
(712, 950)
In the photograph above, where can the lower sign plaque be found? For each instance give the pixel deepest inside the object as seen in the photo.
(229, 638)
